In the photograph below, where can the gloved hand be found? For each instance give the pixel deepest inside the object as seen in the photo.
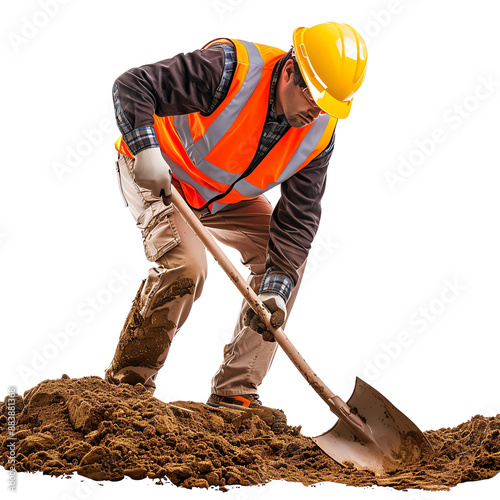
(277, 307)
(275, 290)
(152, 172)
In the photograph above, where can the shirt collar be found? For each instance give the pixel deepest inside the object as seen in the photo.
(272, 93)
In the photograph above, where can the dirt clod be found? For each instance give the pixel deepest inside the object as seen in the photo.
(106, 432)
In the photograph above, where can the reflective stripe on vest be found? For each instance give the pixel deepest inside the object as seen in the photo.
(308, 143)
(204, 152)
(221, 126)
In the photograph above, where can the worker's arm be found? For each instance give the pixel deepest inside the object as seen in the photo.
(185, 83)
(295, 219)
(294, 223)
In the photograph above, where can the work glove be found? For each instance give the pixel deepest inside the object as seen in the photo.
(152, 172)
(277, 308)
(274, 292)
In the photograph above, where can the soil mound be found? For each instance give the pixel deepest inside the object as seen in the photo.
(106, 432)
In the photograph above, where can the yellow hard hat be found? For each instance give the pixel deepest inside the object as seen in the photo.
(332, 59)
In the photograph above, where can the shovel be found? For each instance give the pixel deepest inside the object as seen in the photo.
(371, 432)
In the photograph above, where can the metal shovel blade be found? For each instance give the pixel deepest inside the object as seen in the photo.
(394, 440)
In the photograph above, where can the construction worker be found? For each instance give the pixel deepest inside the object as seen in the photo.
(224, 124)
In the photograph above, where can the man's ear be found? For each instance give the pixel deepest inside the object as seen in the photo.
(287, 71)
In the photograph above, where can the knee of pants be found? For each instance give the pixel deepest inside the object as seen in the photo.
(192, 268)
(196, 269)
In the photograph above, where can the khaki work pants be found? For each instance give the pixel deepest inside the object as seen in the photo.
(164, 300)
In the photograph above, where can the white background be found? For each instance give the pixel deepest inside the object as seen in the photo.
(380, 255)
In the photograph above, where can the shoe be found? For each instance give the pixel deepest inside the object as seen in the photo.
(250, 404)
(234, 402)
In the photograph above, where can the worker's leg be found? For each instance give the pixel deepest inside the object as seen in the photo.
(247, 358)
(165, 298)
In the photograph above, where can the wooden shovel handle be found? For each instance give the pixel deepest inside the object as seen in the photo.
(337, 405)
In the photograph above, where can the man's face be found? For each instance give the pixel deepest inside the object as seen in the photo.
(293, 101)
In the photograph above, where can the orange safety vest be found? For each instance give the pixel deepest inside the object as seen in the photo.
(210, 155)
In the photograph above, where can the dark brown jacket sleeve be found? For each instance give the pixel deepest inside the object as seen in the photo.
(295, 218)
(185, 83)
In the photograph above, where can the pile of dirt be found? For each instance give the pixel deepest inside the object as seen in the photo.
(106, 432)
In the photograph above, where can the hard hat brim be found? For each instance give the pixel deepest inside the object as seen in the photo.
(333, 107)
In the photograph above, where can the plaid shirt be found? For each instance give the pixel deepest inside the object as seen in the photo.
(278, 283)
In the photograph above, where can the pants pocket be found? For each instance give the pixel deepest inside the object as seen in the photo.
(160, 235)
(155, 221)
